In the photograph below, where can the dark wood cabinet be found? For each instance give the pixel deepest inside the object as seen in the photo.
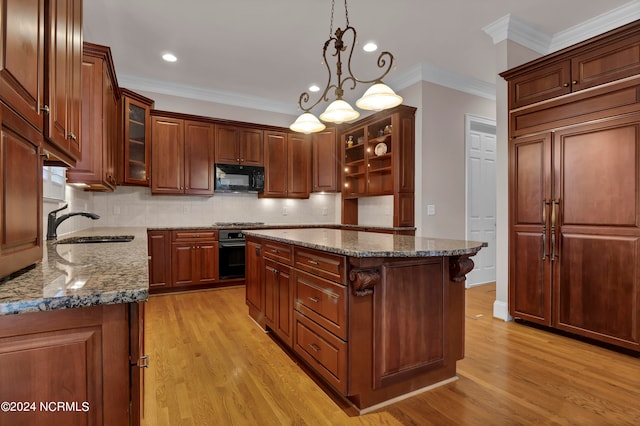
(40, 69)
(287, 159)
(182, 156)
(379, 159)
(64, 82)
(601, 60)
(100, 94)
(159, 251)
(134, 147)
(573, 194)
(194, 257)
(239, 145)
(86, 353)
(198, 158)
(325, 161)
(22, 60)
(20, 192)
(254, 270)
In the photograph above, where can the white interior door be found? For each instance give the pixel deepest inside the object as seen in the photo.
(481, 196)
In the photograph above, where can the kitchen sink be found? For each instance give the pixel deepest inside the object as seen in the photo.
(97, 239)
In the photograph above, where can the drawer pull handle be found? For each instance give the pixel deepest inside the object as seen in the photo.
(313, 262)
(315, 347)
(274, 250)
(313, 299)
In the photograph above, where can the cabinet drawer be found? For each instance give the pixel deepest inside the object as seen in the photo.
(323, 301)
(194, 235)
(322, 350)
(277, 251)
(326, 265)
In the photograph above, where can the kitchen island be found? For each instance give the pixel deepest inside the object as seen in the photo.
(71, 333)
(378, 317)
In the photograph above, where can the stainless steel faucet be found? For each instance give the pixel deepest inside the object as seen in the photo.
(53, 222)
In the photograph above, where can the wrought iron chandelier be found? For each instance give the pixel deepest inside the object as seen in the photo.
(378, 97)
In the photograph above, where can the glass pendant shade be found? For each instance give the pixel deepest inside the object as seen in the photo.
(307, 123)
(378, 97)
(339, 112)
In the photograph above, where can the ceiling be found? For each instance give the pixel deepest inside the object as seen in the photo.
(265, 53)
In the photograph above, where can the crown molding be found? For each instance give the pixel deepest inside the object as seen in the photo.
(514, 29)
(600, 24)
(208, 95)
(429, 73)
(511, 28)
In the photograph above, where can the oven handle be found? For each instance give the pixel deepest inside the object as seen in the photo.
(236, 244)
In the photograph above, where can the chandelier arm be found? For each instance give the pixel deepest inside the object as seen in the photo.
(305, 96)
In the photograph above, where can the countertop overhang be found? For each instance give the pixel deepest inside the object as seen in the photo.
(369, 244)
(81, 275)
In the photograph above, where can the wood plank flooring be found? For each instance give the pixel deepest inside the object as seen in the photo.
(211, 365)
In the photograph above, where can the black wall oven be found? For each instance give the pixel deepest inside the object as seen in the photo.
(230, 254)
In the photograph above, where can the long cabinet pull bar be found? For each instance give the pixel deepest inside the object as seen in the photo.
(545, 204)
(313, 299)
(554, 217)
(553, 213)
(553, 247)
(313, 346)
(544, 245)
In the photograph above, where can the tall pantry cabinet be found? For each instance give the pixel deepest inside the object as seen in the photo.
(574, 189)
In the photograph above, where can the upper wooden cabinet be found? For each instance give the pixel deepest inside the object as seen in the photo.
(325, 161)
(22, 61)
(34, 33)
(134, 148)
(239, 145)
(100, 121)
(64, 82)
(287, 159)
(379, 159)
(182, 156)
(597, 61)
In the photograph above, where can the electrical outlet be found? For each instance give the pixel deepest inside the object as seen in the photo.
(325, 211)
(431, 209)
(285, 211)
(116, 210)
(186, 209)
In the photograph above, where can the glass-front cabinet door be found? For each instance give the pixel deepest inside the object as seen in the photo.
(137, 138)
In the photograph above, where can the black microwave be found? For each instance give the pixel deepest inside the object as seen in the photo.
(239, 178)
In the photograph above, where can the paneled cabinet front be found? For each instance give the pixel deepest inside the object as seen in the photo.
(47, 95)
(194, 257)
(182, 156)
(287, 159)
(20, 192)
(574, 162)
(239, 145)
(100, 122)
(63, 123)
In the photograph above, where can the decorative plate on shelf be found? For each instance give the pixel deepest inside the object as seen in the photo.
(380, 149)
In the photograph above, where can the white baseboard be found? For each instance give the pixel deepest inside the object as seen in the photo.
(501, 310)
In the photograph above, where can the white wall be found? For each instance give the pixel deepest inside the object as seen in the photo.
(442, 158)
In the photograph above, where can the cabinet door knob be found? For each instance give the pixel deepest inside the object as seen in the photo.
(566, 85)
(72, 136)
(574, 82)
(45, 109)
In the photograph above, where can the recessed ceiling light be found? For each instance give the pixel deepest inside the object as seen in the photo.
(370, 47)
(314, 88)
(169, 57)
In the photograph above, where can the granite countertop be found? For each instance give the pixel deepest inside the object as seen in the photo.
(369, 244)
(79, 275)
(256, 225)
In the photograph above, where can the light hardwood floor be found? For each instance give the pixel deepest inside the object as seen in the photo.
(211, 365)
